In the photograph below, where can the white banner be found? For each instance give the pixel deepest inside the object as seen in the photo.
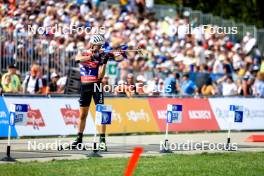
(253, 118)
(51, 116)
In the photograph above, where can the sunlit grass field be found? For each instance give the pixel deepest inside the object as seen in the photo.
(228, 164)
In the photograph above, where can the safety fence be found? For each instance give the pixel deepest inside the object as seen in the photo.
(60, 115)
(23, 50)
(197, 18)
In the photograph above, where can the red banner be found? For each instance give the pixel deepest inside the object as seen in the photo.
(197, 114)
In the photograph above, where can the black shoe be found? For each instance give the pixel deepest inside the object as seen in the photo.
(76, 144)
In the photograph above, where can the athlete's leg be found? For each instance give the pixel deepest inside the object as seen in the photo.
(98, 97)
(103, 129)
(85, 100)
(82, 120)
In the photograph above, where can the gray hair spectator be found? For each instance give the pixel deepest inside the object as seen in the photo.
(33, 83)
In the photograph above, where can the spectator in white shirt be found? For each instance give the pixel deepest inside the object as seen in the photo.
(61, 83)
(229, 88)
(33, 83)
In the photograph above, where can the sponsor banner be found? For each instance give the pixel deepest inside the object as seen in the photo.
(196, 114)
(174, 113)
(60, 116)
(18, 114)
(103, 114)
(253, 113)
(51, 116)
(129, 115)
(4, 120)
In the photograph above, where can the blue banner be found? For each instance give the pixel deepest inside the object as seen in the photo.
(106, 118)
(103, 114)
(174, 113)
(4, 120)
(238, 116)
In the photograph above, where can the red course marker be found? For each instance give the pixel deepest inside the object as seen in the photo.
(133, 161)
(255, 138)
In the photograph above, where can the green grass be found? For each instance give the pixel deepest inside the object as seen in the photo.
(229, 164)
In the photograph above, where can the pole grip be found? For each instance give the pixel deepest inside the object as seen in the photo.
(8, 149)
(228, 140)
(166, 143)
(94, 146)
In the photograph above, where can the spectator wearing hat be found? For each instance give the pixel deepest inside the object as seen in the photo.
(141, 88)
(245, 89)
(254, 70)
(53, 88)
(14, 85)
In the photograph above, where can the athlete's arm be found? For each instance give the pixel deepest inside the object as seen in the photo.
(81, 57)
(101, 71)
(103, 66)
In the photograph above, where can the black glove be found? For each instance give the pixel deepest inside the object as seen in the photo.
(105, 59)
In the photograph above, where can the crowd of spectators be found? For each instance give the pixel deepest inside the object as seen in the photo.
(33, 83)
(171, 63)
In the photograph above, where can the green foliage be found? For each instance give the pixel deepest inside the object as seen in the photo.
(247, 11)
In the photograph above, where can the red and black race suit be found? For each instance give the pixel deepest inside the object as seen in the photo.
(90, 83)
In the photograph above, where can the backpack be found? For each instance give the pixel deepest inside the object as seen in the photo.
(36, 85)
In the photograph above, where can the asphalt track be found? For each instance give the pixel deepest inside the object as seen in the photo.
(122, 146)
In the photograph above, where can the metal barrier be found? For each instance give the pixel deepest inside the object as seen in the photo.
(208, 18)
(24, 50)
(124, 96)
(260, 41)
(163, 11)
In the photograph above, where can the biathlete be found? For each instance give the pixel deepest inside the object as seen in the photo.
(92, 65)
